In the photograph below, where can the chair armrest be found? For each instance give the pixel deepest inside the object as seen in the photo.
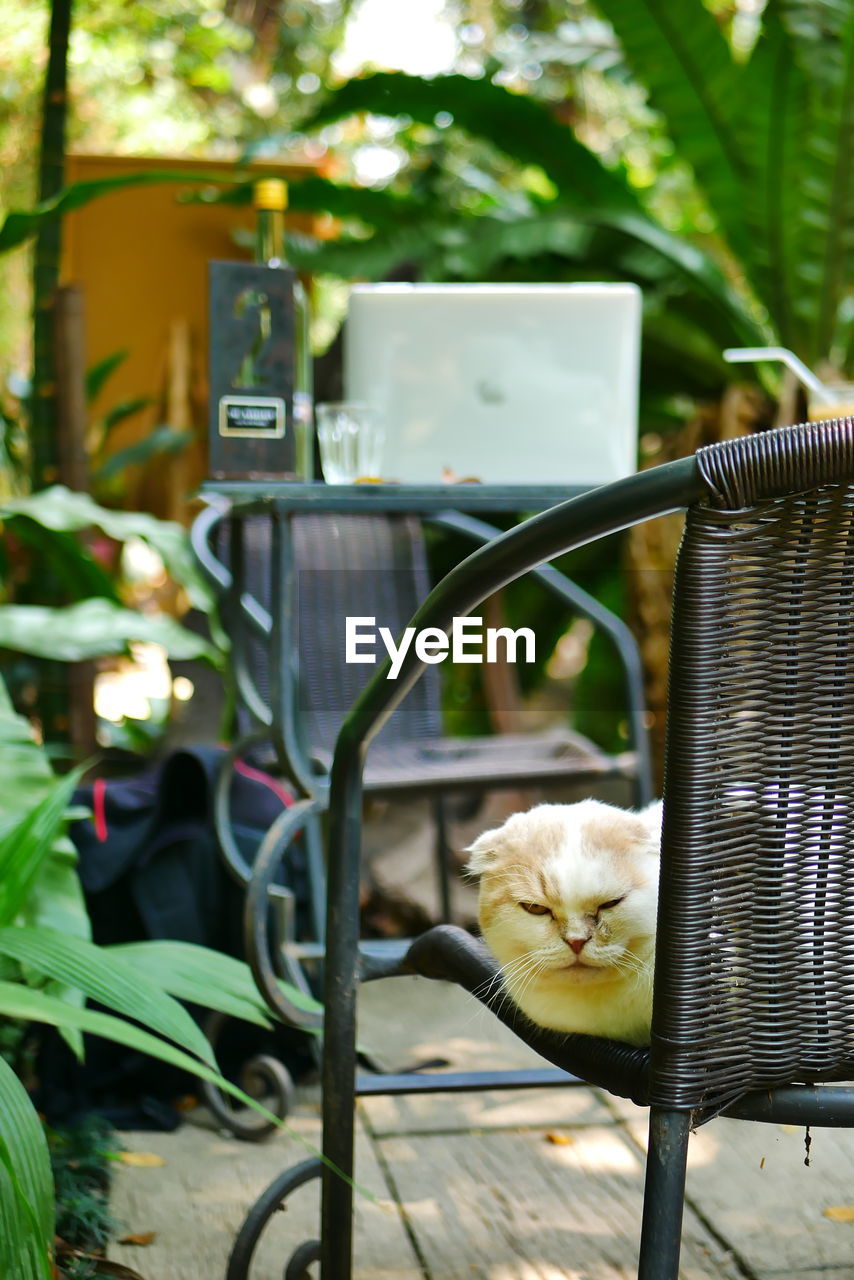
(581, 602)
(543, 537)
(218, 574)
(260, 890)
(201, 534)
(235, 612)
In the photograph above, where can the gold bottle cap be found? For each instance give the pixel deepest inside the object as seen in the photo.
(270, 193)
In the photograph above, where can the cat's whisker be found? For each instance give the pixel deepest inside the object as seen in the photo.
(486, 989)
(529, 973)
(499, 979)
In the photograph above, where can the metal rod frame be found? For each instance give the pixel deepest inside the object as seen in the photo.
(664, 1194)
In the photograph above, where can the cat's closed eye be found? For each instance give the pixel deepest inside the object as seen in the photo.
(614, 902)
(535, 908)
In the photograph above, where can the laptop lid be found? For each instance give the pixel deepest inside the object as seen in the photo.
(509, 384)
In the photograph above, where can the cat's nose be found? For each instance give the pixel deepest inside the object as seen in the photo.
(577, 944)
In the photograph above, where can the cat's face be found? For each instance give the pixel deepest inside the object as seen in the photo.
(569, 891)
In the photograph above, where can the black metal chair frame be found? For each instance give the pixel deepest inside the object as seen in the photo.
(773, 483)
(277, 721)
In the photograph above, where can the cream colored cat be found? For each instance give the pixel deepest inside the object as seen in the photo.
(567, 905)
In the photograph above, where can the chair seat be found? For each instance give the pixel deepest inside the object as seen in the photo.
(449, 953)
(507, 760)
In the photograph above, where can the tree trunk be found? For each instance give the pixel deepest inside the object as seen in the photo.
(43, 444)
(53, 697)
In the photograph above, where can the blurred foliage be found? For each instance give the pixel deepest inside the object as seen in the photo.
(203, 78)
(66, 594)
(701, 148)
(80, 1157)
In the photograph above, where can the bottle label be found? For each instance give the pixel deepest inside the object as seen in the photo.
(252, 416)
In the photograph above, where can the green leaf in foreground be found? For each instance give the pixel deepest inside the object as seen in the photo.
(55, 897)
(109, 980)
(26, 1185)
(21, 1002)
(65, 510)
(94, 628)
(208, 978)
(36, 1006)
(26, 844)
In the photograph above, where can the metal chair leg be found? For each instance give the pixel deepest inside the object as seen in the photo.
(339, 1045)
(664, 1194)
(443, 857)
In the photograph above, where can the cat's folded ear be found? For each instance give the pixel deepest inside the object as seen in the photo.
(652, 815)
(484, 851)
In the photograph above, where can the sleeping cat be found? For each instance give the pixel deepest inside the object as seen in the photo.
(567, 905)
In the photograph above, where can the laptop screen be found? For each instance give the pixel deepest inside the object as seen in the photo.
(507, 384)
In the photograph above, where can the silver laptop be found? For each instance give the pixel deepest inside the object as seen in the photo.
(509, 384)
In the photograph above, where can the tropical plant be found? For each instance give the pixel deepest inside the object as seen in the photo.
(49, 967)
(764, 141)
(768, 139)
(64, 596)
(94, 622)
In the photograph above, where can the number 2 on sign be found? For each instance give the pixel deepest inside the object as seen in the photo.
(247, 302)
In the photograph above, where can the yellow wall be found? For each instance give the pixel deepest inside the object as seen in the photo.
(141, 257)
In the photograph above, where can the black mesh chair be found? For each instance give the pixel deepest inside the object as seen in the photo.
(753, 1012)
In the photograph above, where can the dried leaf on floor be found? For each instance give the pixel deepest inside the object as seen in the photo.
(139, 1237)
(115, 1270)
(559, 1139)
(141, 1159)
(839, 1212)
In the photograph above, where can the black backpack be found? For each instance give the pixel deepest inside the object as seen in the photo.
(150, 867)
(149, 861)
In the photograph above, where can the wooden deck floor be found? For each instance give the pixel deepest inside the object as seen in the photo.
(523, 1185)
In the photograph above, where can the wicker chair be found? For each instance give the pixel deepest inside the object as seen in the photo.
(753, 1012)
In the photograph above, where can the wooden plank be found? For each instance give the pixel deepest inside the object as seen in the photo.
(405, 1019)
(749, 1180)
(515, 1206)
(815, 1273)
(558, 1109)
(197, 1200)
(434, 1020)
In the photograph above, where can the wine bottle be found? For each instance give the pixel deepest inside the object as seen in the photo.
(270, 198)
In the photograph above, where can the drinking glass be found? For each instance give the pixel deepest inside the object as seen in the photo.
(351, 440)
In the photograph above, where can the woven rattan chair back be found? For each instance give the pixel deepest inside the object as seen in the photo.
(365, 566)
(755, 962)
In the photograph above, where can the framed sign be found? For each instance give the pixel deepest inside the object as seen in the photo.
(251, 372)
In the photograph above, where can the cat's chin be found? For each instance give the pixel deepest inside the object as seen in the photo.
(580, 971)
